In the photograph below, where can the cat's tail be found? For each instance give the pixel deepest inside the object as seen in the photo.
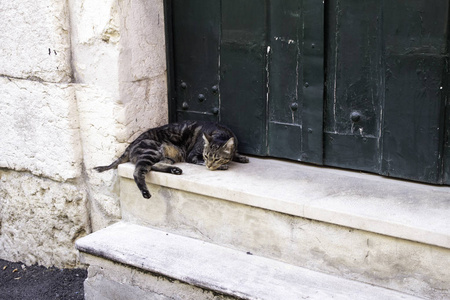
(122, 159)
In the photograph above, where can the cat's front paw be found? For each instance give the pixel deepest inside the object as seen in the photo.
(146, 194)
(243, 159)
(240, 158)
(197, 161)
(223, 167)
(176, 171)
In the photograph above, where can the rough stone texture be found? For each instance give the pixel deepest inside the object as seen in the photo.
(34, 40)
(95, 36)
(40, 219)
(119, 61)
(40, 128)
(145, 106)
(98, 129)
(143, 40)
(142, 65)
(79, 79)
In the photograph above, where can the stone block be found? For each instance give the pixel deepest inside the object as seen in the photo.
(98, 129)
(95, 37)
(40, 219)
(35, 41)
(142, 39)
(144, 106)
(107, 127)
(40, 129)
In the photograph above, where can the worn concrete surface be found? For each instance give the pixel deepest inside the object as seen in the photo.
(212, 267)
(110, 280)
(218, 207)
(407, 210)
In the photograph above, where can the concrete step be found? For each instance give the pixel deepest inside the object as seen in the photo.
(385, 232)
(201, 271)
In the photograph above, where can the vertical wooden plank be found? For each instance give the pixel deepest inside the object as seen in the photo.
(313, 81)
(414, 104)
(296, 74)
(412, 126)
(284, 76)
(446, 93)
(285, 37)
(355, 84)
(243, 73)
(196, 34)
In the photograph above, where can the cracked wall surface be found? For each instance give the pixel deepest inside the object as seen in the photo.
(35, 40)
(79, 80)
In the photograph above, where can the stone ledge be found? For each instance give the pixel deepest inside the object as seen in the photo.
(405, 210)
(220, 269)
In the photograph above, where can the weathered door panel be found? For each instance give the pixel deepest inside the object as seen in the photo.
(386, 87)
(446, 92)
(242, 73)
(313, 85)
(355, 85)
(414, 110)
(413, 128)
(196, 55)
(255, 66)
(295, 80)
(446, 163)
(285, 79)
(258, 66)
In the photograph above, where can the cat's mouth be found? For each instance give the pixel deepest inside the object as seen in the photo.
(212, 166)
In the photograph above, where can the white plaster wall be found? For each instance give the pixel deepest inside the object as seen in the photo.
(34, 40)
(79, 80)
(118, 50)
(142, 65)
(40, 129)
(43, 199)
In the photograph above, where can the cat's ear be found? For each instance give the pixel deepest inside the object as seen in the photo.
(229, 146)
(207, 138)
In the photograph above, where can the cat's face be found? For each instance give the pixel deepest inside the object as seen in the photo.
(215, 154)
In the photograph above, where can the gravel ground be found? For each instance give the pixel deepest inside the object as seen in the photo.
(19, 282)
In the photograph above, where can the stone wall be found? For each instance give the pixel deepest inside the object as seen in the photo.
(79, 80)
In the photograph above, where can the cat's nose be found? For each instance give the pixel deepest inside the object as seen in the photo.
(210, 167)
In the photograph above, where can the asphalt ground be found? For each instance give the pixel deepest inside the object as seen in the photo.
(20, 282)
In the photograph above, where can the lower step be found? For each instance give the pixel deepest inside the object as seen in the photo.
(135, 262)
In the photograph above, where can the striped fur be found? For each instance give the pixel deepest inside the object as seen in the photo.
(194, 142)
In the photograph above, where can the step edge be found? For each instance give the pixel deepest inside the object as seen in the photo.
(83, 245)
(315, 209)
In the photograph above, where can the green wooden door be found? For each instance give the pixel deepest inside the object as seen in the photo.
(255, 66)
(387, 87)
(357, 84)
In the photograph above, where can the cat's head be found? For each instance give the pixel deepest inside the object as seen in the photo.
(217, 153)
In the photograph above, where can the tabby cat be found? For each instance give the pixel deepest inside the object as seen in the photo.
(189, 141)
